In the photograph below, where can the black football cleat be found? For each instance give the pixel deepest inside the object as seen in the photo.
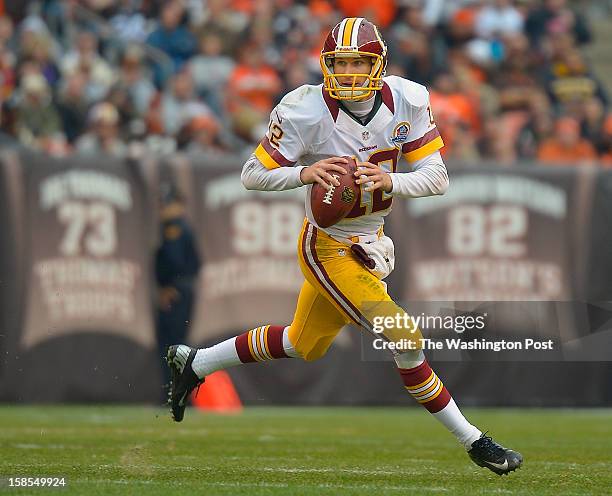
(487, 453)
(183, 379)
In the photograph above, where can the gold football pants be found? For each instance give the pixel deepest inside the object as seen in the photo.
(339, 290)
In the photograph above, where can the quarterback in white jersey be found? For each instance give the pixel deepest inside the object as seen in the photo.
(358, 112)
(309, 125)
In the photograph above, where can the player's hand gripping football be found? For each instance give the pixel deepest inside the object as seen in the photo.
(320, 172)
(376, 177)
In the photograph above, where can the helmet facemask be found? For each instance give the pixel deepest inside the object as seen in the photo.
(373, 81)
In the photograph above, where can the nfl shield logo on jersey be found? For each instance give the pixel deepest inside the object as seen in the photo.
(400, 132)
(365, 135)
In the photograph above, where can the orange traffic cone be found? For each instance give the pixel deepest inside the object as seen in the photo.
(217, 394)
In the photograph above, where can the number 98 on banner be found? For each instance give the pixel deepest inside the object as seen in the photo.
(270, 228)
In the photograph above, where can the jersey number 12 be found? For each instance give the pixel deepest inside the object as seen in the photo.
(377, 200)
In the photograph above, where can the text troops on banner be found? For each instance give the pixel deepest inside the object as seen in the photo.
(86, 278)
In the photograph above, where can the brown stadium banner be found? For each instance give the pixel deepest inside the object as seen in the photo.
(12, 251)
(76, 267)
(521, 246)
(82, 274)
(497, 235)
(248, 241)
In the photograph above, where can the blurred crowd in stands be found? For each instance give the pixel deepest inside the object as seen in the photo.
(509, 80)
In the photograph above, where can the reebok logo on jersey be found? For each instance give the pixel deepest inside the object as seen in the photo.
(366, 148)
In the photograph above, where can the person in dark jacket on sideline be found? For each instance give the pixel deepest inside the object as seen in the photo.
(177, 264)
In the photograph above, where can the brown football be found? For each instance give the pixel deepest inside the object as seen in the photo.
(330, 206)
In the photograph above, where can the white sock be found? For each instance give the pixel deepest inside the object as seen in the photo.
(217, 357)
(413, 369)
(456, 423)
(289, 349)
(410, 359)
(224, 355)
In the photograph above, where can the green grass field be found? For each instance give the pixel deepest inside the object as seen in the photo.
(299, 451)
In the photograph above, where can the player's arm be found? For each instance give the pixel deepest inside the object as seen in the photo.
(256, 176)
(272, 167)
(429, 175)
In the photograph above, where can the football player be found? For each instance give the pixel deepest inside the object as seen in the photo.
(359, 112)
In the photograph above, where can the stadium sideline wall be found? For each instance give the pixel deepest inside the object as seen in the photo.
(77, 289)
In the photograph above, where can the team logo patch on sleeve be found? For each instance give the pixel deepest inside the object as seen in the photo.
(400, 132)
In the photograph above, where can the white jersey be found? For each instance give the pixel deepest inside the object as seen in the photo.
(308, 125)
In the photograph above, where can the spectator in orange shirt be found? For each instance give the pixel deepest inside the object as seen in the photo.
(451, 109)
(380, 12)
(253, 87)
(7, 73)
(460, 26)
(566, 146)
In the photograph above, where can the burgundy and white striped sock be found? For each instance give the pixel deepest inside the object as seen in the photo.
(257, 345)
(427, 388)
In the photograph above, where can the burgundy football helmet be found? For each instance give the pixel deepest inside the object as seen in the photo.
(354, 37)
